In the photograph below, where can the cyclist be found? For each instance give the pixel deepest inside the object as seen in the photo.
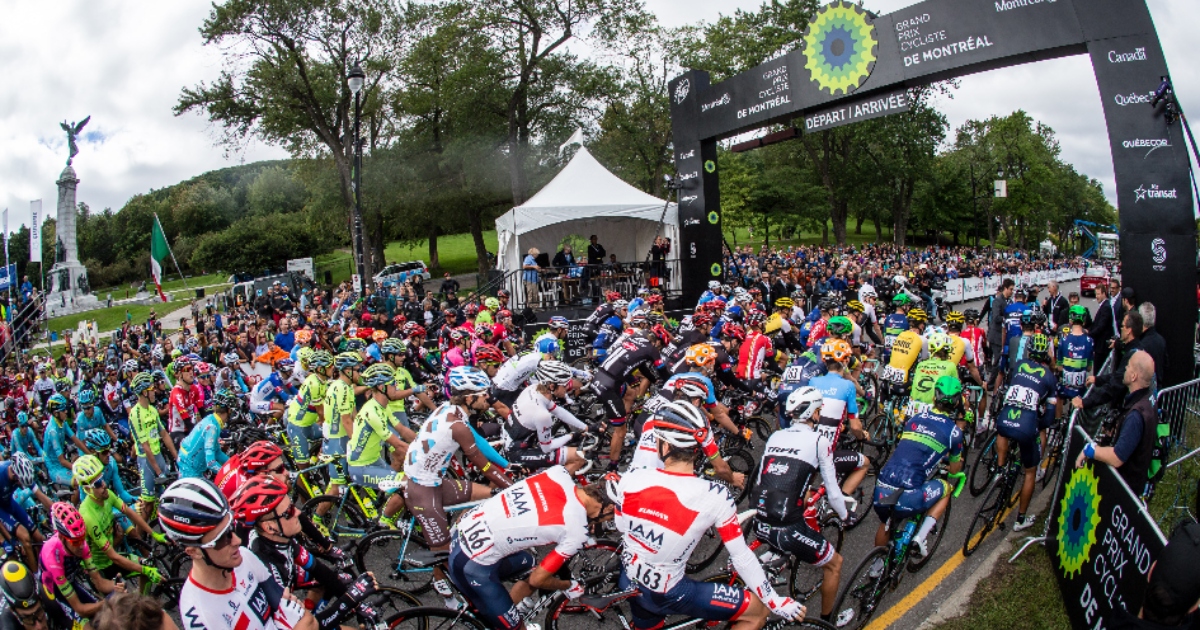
(270, 395)
(442, 435)
(695, 330)
(839, 408)
(305, 408)
(894, 324)
(149, 438)
(780, 322)
(338, 408)
(394, 351)
(680, 397)
(509, 381)
(23, 607)
(25, 439)
(1027, 413)
(609, 329)
(90, 416)
(100, 445)
(55, 445)
(1076, 353)
(230, 376)
(15, 474)
(69, 577)
(493, 543)
(185, 399)
(803, 368)
(927, 373)
(229, 586)
(792, 459)
(528, 430)
(200, 452)
(372, 429)
(756, 351)
(907, 347)
(99, 509)
(968, 344)
(906, 483)
(663, 515)
(820, 327)
(639, 353)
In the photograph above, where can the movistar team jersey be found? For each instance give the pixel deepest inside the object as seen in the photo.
(371, 428)
(338, 401)
(1075, 355)
(926, 376)
(928, 438)
(1029, 400)
(310, 394)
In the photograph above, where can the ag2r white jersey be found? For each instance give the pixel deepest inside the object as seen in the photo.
(430, 453)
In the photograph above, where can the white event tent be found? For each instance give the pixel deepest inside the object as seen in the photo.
(585, 199)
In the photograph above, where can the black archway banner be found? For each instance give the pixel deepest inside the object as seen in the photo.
(854, 66)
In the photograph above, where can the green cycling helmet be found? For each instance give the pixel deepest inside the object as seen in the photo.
(347, 361)
(900, 299)
(839, 325)
(86, 469)
(1077, 313)
(1039, 347)
(225, 398)
(947, 393)
(141, 382)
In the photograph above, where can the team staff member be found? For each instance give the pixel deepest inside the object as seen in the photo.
(1137, 431)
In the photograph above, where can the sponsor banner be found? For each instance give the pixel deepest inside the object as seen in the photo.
(8, 277)
(1101, 541)
(303, 265)
(35, 231)
(974, 288)
(990, 285)
(954, 291)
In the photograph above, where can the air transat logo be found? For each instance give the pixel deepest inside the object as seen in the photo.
(840, 47)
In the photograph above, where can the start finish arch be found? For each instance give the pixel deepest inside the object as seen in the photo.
(854, 66)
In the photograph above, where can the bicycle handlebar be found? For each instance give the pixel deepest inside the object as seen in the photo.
(962, 482)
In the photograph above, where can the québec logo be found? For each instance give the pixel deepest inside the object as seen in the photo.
(1153, 192)
(681, 91)
(1133, 98)
(1146, 143)
(1158, 248)
(1138, 54)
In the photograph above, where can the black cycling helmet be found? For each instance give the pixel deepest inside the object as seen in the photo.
(971, 315)
(18, 585)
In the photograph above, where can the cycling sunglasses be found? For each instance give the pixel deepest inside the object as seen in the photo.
(278, 470)
(222, 541)
(99, 484)
(287, 515)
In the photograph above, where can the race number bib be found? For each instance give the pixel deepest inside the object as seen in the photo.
(1074, 379)
(1021, 397)
(888, 340)
(644, 574)
(893, 374)
(793, 374)
(476, 537)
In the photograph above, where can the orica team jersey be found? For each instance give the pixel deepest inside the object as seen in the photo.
(310, 394)
(927, 440)
(926, 376)
(1075, 354)
(430, 453)
(253, 601)
(893, 325)
(541, 510)
(371, 427)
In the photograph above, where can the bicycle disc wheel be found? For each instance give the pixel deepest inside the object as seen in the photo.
(434, 618)
(933, 540)
(379, 552)
(985, 519)
(861, 596)
(984, 467)
(705, 551)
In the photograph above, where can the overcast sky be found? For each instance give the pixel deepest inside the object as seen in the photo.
(124, 62)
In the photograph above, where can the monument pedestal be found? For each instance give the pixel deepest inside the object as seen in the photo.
(69, 290)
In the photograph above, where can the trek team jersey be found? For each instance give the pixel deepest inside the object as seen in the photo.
(300, 408)
(338, 401)
(516, 370)
(371, 428)
(791, 460)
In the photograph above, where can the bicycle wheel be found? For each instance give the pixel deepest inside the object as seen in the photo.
(933, 540)
(597, 566)
(880, 444)
(984, 467)
(705, 551)
(339, 518)
(762, 427)
(379, 552)
(985, 519)
(388, 601)
(434, 618)
(741, 462)
(870, 385)
(564, 614)
(862, 594)
(1053, 456)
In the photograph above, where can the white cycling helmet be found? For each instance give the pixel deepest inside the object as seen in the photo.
(23, 470)
(690, 388)
(713, 285)
(553, 372)
(680, 424)
(620, 305)
(867, 291)
(466, 379)
(803, 404)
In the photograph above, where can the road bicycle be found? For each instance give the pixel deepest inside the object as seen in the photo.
(996, 502)
(401, 554)
(882, 570)
(352, 514)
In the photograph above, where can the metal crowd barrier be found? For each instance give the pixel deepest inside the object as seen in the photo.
(1175, 494)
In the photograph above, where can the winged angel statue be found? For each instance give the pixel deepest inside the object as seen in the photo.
(73, 130)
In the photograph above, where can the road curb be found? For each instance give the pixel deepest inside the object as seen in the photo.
(956, 605)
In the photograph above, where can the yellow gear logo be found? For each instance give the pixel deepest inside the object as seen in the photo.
(840, 47)
(1079, 515)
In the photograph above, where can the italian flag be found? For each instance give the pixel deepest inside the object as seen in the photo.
(159, 250)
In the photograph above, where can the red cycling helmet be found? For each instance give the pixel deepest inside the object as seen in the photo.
(256, 458)
(663, 335)
(417, 330)
(471, 310)
(733, 331)
(488, 354)
(229, 478)
(612, 296)
(504, 314)
(701, 319)
(399, 320)
(256, 498)
(67, 522)
(755, 318)
(654, 298)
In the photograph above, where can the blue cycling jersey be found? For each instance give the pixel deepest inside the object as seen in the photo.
(7, 486)
(273, 387)
(201, 450)
(1012, 320)
(839, 397)
(1075, 354)
(54, 445)
(24, 440)
(85, 422)
(1029, 400)
(928, 438)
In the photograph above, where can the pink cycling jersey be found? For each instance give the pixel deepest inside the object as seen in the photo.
(60, 567)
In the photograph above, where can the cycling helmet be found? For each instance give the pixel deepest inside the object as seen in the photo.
(661, 333)
(303, 336)
(1039, 347)
(22, 418)
(97, 439)
(320, 359)
(503, 314)
(701, 319)
(157, 353)
(392, 345)
(56, 403)
(939, 342)
(690, 388)
(489, 354)
(917, 315)
(471, 310)
(19, 586)
(755, 318)
(257, 497)
(971, 315)
(901, 299)
(1038, 318)
(547, 345)
(701, 355)
(492, 304)
(191, 344)
(680, 424)
(87, 397)
(258, 456)
(839, 325)
(86, 469)
(23, 470)
(191, 508)
(230, 359)
(379, 375)
(61, 384)
(620, 305)
(656, 318)
(828, 304)
(638, 318)
(714, 285)
(285, 366)
(133, 366)
(1077, 313)
(379, 335)
(803, 404)
(399, 321)
(347, 361)
(67, 522)
(835, 350)
(856, 306)
(654, 298)
(85, 364)
(224, 398)
(413, 329)
(612, 296)
(955, 318)
(458, 335)
(784, 302)
(553, 372)
(867, 292)
(733, 331)
(204, 369)
(449, 312)
(468, 380)
(145, 348)
(503, 293)
(304, 354)
(355, 345)
(947, 393)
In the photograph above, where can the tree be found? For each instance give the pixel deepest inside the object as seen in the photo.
(275, 190)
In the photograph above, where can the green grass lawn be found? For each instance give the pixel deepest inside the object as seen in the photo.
(111, 318)
(173, 283)
(456, 254)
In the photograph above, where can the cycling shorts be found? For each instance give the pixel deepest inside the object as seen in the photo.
(613, 400)
(506, 396)
(59, 610)
(428, 503)
(371, 476)
(847, 461)
(336, 445)
(151, 490)
(698, 600)
(1067, 393)
(299, 438)
(59, 475)
(260, 406)
(798, 539)
(483, 585)
(901, 503)
(1026, 439)
(534, 459)
(13, 514)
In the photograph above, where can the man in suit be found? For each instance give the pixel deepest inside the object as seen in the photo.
(764, 285)
(1055, 306)
(779, 288)
(1152, 342)
(1108, 318)
(595, 258)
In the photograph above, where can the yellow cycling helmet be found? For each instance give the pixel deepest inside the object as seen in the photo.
(855, 305)
(955, 317)
(784, 302)
(917, 315)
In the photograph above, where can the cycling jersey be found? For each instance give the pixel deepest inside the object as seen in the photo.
(145, 425)
(338, 401)
(371, 428)
(803, 369)
(253, 601)
(893, 325)
(755, 351)
(62, 571)
(907, 348)
(267, 390)
(791, 459)
(200, 451)
(85, 421)
(540, 510)
(926, 375)
(516, 370)
(839, 401)
(293, 567)
(182, 407)
(646, 453)
(25, 440)
(598, 316)
(429, 454)
(11, 511)
(1075, 356)
(532, 422)
(928, 439)
(675, 351)
(1029, 406)
(623, 358)
(1015, 350)
(308, 396)
(818, 333)
(99, 518)
(54, 445)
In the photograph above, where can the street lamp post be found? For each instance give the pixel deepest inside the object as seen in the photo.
(356, 78)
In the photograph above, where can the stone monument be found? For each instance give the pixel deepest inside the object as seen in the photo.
(69, 289)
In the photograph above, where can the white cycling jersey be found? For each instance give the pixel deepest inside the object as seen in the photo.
(663, 516)
(646, 453)
(253, 601)
(430, 454)
(516, 370)
(541, 510)
(536, 414)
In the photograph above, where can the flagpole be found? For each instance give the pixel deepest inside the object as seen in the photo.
(169, 251)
